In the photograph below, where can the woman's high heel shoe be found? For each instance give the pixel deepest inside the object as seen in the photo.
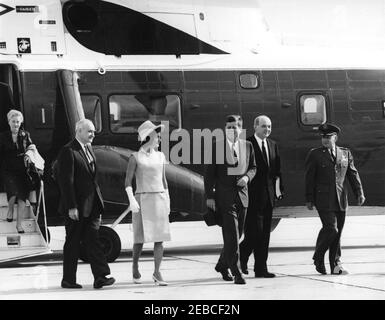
(9, 219)
(20, 230)
(136, 276)
(159, 282)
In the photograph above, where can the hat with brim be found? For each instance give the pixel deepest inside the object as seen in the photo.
(146, 128)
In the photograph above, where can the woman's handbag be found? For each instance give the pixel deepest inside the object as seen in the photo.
(34, 165)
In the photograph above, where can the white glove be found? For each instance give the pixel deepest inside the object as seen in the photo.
(134, 206)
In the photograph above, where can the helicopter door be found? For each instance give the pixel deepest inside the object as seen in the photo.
(9, 93)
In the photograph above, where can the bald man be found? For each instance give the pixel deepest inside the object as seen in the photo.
(81, 203)
(262, 197)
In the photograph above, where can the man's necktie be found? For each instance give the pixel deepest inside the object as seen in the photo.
(264, 154)
(333, 155)
(235, 156)
(90, 158)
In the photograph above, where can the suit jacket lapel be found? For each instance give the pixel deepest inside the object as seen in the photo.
(338, 155)
(229, 158)
(91, 151)
(242, 155)
(328, 155)
(241, 167)
(271, 154)
(81, 151)
(257, 149)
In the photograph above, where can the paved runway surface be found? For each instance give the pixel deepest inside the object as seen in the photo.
(189, 267)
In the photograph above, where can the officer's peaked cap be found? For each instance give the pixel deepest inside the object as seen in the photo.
(328, 129)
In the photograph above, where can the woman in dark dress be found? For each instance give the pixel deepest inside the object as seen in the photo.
(13, 145)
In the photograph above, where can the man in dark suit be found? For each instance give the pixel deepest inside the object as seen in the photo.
(327, 168)
(226, 181)
(262, 195)
(81, 204)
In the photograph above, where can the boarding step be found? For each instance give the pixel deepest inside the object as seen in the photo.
(29, 225)
(28, 213)
(14, 245)
(21, 253)
(3, 199)
(19, 240)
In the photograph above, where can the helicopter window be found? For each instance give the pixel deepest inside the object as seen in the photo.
(92, 110)
(313, 109)
(128, 112)
(249, 81)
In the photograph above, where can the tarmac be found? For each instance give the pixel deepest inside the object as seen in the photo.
(189, 261)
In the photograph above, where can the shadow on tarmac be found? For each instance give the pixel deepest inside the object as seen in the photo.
(56, 257)
(127, 285)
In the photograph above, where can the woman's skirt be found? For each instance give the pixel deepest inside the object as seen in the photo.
(151, 223)
(16, 184)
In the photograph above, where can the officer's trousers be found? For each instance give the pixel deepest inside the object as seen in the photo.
(329, 236)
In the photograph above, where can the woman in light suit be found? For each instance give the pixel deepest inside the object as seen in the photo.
(150, 206)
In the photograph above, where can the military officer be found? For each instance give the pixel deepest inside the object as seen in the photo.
(327, 168)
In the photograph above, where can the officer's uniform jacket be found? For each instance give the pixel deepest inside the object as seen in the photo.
(326, 179)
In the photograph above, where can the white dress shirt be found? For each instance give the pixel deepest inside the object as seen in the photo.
(234, 146)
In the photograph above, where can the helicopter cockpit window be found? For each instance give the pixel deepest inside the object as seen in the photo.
(92, 110)
(81, 17)
(128, 112)
(313, 109)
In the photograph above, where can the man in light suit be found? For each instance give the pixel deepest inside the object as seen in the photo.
(81, 204)
(226, 182)
(262, 196)
(327, 168)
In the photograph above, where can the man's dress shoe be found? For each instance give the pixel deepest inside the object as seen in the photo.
(103, 281)
(244, 268)
(225, 274)
(320, 266)
(239, 280)
(264, 274)
(68, 285)
(340, 270)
